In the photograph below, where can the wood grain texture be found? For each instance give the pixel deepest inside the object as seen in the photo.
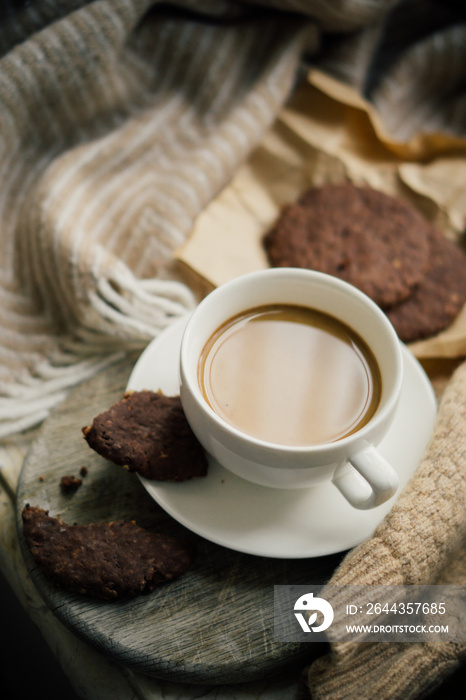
(214, 624)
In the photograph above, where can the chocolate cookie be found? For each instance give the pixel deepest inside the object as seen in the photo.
(106, 560)
(438, 298)
(147, 432)
(373, 241)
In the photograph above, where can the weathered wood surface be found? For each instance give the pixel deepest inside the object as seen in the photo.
(213, 625)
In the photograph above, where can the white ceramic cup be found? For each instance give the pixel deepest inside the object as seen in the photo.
(353, 463)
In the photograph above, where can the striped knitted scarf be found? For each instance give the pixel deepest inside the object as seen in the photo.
(121, 119)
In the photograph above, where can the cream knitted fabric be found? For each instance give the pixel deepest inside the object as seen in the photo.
(422, 541)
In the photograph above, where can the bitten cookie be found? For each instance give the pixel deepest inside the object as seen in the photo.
(438, 298)
(106, 560)
(147, 432)
(365, 237)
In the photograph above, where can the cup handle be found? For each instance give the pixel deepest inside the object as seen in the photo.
(367, 480)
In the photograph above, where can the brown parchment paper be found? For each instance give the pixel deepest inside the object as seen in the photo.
(328, 133)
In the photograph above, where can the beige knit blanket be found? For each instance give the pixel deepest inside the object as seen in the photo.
(421, 541)
(120, 120)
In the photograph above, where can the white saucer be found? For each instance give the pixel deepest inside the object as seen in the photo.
(282, 523)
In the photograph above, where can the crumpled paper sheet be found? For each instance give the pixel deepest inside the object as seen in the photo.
(328, 133)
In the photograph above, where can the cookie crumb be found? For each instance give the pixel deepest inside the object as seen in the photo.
(69, 484)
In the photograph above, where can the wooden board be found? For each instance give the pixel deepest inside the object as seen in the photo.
(213, 625)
